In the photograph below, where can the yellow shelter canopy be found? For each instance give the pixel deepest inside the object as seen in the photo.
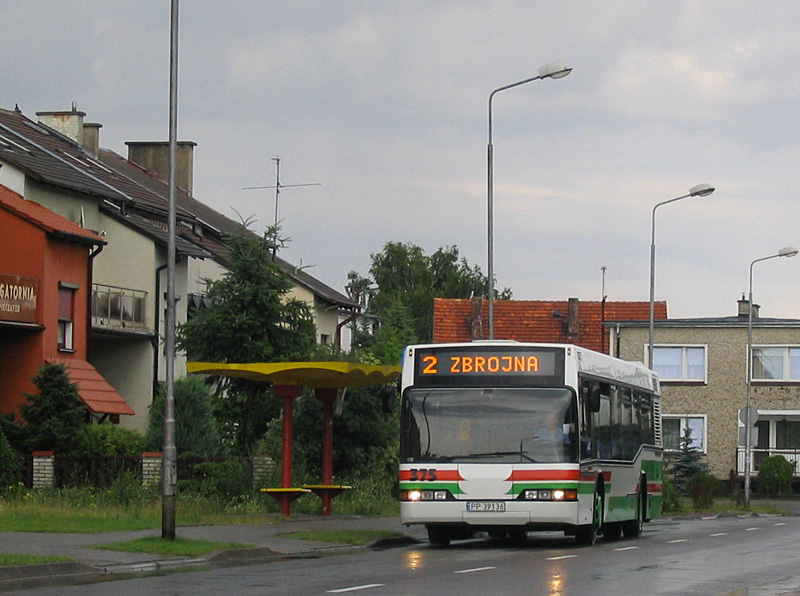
(319, 375)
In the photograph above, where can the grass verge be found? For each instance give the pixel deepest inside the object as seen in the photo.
(9, 559)
(180, 547)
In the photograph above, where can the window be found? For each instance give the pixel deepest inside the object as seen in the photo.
(680, 363)
(674, 429)
(66, 300)
(776, 363)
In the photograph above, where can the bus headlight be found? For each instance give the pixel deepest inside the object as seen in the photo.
(423, 495)
(544, 494)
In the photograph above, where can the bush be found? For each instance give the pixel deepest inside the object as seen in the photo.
(703, 487)
(226, 480)
(108, 439)
(775, 476)
(9, 465)
(672, 500)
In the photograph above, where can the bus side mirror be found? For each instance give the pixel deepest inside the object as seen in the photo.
(388, 395)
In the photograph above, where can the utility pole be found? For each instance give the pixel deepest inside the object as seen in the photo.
(278, 186)
(169, 462)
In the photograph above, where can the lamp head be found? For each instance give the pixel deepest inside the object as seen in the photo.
(789, 251)
(555, 70)
(701, 190)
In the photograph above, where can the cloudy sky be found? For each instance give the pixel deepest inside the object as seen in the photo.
(384, 105)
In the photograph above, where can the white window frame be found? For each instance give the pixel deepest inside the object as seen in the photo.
(684, 419)
(786, 348)
(684, 362)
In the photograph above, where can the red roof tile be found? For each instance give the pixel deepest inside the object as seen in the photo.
(538, 321)
(45, 219)
(94, 390)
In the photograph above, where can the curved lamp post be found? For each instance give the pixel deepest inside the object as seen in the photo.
(701, 190)
(554, 70)
(789, 251)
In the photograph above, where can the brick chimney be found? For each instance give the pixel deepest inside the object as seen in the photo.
(572, 326)
(743, 304)
(91, 137)
(154, 156)
(69, 124)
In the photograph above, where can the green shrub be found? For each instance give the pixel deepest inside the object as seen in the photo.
(775, 476)
(227, 480)
(672, 500)
(108, 439)
(9, 465)
(703, 487)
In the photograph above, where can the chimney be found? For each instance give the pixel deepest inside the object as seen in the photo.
(154, 156)
(743, 304)
(69, 124)
(476, 328)
(91, 138)
(573, 328)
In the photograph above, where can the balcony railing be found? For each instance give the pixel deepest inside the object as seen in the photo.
(118, 308)
(759, 455)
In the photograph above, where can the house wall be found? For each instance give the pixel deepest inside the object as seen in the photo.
(27, 250)
(725, 391)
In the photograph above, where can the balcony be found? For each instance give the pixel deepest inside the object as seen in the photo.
(119, 309)
(759, 455)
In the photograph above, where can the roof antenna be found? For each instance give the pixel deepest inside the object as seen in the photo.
(278, 186)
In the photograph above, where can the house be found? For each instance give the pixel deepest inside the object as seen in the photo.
(565, 321)
(57, 162)
(702, 366)
(45, 289)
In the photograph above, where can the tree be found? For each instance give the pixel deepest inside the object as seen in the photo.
(53, 417)
(687, 462)
(9, 464)
(251, 319)
(405, 275)
(195, 426)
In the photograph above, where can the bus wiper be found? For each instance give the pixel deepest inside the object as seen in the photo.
(486, 455)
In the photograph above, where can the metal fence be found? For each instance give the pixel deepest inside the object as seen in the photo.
(759, 455)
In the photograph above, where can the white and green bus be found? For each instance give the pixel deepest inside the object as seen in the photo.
(506, 438)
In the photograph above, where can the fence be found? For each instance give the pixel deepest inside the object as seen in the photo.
(759, 455)
(44, 469)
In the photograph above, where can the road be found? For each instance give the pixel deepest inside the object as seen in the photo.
(753, 556)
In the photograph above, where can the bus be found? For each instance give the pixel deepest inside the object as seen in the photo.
(502, 437)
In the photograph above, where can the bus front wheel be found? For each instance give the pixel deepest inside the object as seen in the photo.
(587, 534)
(438, 535)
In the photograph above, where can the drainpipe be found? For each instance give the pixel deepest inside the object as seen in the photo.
(156, 327)
(90, 275)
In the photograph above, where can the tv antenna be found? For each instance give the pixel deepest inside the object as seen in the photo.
(278, 186)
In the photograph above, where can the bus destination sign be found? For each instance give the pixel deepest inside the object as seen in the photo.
(487, 364)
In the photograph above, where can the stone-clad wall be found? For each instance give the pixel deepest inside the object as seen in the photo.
(726, 389)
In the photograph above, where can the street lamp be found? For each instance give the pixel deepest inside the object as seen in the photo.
(789, 251)
(554, 70)
(701, 190)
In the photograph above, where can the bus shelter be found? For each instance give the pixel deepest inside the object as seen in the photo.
(327, 379)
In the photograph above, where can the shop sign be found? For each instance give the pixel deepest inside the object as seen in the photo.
(18, 296)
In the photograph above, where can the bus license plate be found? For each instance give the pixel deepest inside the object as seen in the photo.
(492, 506)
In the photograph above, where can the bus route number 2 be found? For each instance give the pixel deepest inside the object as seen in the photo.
(422, 475)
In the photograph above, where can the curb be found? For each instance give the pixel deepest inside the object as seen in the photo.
(18, 577)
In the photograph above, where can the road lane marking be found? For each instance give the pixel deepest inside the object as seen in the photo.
(719, 534)
(560, 557)
(354, 588)
(475, 569)
(678, 540)
(626, 548)
(751, 529)
(780, 524)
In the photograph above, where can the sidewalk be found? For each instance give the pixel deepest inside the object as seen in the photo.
(266, 540)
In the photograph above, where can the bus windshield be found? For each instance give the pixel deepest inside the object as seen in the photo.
(497, 425)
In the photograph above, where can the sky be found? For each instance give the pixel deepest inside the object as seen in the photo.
(380, 110)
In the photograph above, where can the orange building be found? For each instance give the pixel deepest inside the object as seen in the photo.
(45, 288)
(553, 321)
